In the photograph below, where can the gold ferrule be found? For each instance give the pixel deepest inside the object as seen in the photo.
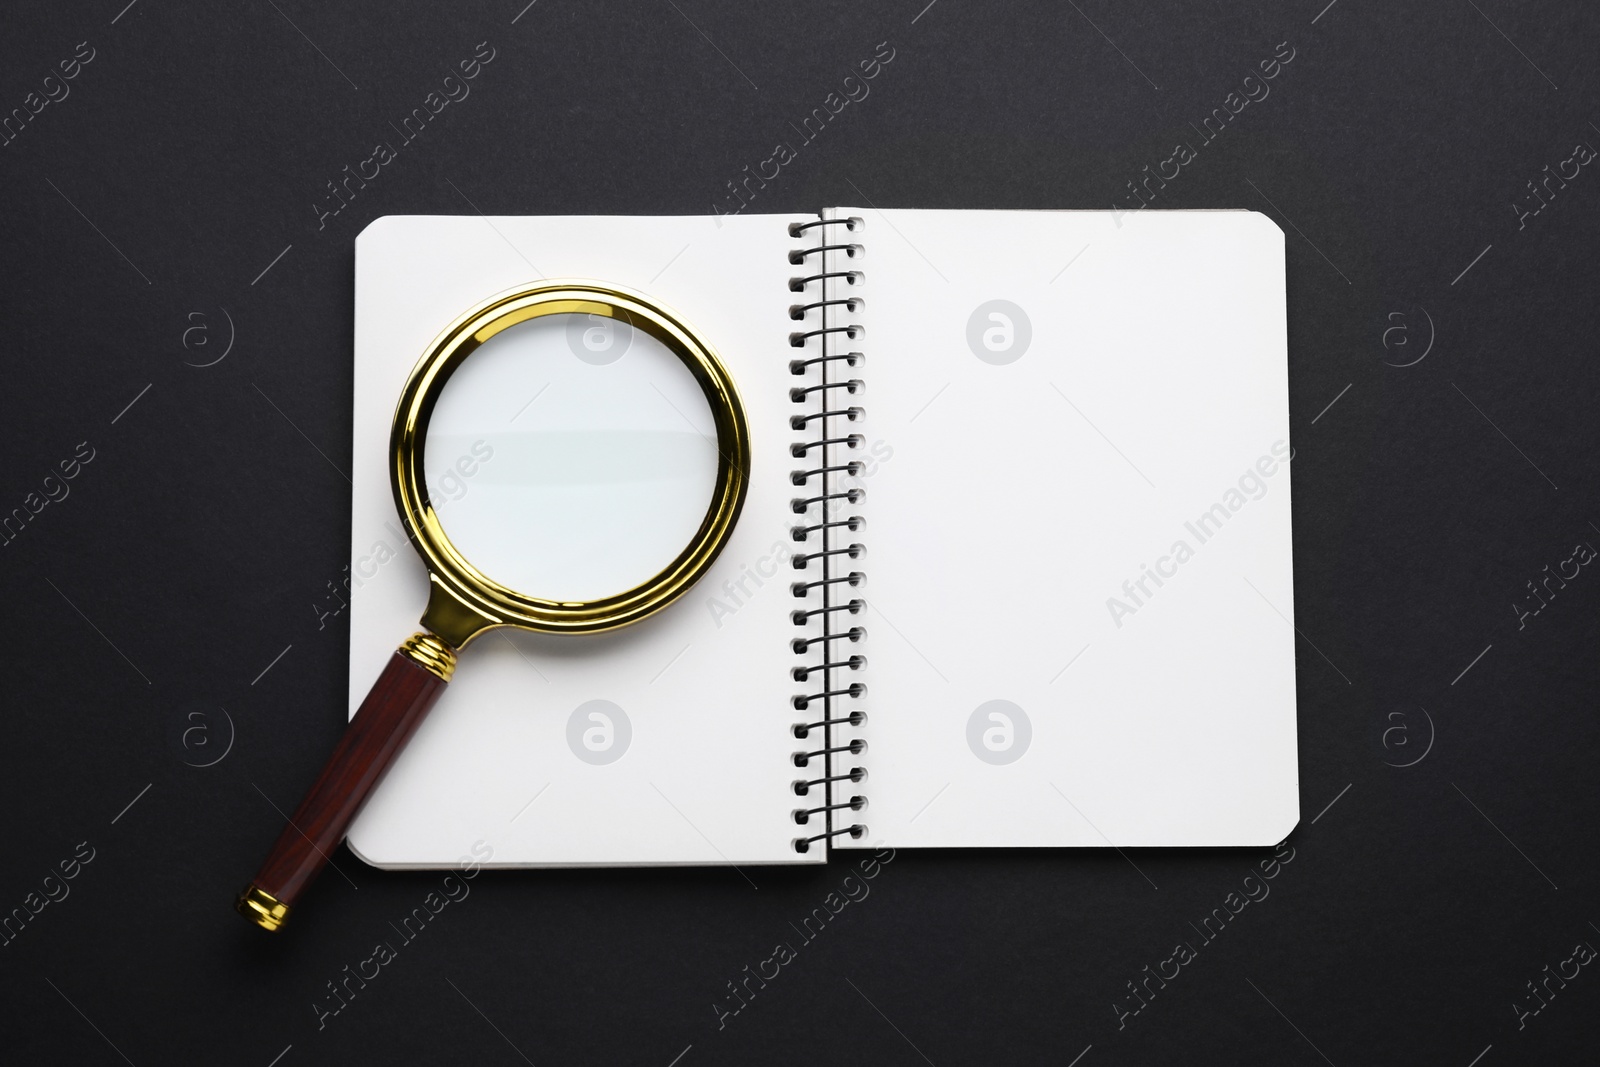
(431, 654)
(261, 907)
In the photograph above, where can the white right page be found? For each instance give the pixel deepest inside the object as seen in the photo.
(1079, 577)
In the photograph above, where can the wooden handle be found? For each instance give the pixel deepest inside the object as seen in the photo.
(402, 695)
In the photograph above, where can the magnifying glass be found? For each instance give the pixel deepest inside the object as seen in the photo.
(567, 458)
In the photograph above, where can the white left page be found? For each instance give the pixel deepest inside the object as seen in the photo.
(704, 775)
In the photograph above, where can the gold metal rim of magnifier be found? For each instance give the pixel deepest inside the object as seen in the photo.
(462, 601)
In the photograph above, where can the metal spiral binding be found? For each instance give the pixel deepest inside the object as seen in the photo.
(826, 548)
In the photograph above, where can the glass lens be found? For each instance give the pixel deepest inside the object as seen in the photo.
(571, 457)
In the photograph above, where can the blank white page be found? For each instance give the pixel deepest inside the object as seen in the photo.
(1067, 396)
(689, 762)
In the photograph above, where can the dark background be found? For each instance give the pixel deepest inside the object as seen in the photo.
(141, 211)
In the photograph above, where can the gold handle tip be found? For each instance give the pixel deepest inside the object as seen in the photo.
(261, 907)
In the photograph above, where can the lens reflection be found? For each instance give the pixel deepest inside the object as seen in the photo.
(571, 457)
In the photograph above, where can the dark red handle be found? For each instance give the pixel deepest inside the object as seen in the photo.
(402, 695)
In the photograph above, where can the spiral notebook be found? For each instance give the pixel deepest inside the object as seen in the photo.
(1014, 569)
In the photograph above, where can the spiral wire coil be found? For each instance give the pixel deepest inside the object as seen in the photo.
(827, 554)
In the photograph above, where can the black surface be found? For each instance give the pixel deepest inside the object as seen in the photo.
(198, 541)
